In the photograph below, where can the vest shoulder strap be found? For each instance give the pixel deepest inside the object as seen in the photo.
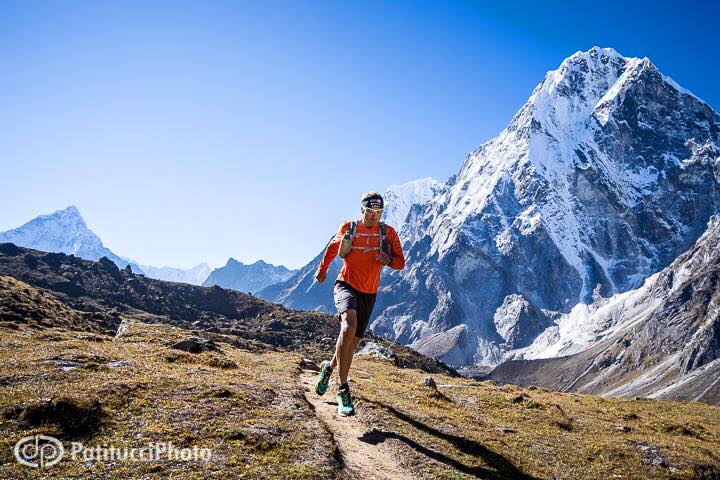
(384, 244)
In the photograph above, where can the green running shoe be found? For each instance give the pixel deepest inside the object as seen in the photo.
(324, 378)
(345, 405)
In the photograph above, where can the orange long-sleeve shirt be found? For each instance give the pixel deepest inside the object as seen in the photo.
(360, 269)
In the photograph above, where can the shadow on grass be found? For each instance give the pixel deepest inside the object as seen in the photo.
(500, 468)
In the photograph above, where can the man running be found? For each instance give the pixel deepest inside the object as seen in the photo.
(366, 246)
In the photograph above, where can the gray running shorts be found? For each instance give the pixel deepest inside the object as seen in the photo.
(347, 298)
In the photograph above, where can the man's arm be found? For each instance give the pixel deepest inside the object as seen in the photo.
(332, 250)
(398, 259)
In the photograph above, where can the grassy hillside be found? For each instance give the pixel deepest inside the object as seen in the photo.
(248, 403)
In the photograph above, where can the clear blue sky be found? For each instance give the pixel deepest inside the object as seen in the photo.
(191, 131)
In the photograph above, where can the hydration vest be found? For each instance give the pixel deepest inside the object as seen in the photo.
(346, 245)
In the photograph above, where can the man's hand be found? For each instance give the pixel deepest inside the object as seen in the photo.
(320, 276)
(383, 258)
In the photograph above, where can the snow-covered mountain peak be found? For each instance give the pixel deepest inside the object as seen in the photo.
(595, 58)
(257, 263)
(413, 188)
(560, 108)
(194, 276)
(247, 277)
(588, 83)
(600, 180)
(400, 198)
(66, 231)
(63, 231)
(70, 210)
(552, 136)
(68, 217)
(568, 95)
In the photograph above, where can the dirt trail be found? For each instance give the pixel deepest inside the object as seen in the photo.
(362, 457)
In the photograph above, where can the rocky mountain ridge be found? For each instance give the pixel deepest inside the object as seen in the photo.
(606, 175)
(110, 295)
(247, 278)
(661, 340)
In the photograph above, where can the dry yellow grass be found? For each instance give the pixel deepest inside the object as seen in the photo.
(517, 431)
(251, 416)
(248, 407)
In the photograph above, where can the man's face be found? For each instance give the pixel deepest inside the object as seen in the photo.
(372, 215)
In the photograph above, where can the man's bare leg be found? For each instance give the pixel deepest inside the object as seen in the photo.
(356, 340)
(345, 344)
(333, 362)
